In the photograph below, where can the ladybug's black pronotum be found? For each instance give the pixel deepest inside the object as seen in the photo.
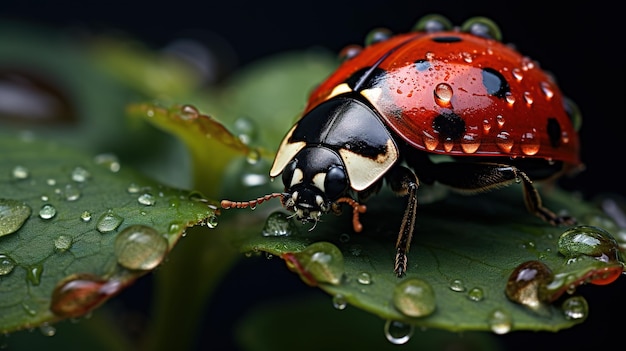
(404, 98)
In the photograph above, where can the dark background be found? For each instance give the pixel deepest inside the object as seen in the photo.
(582, 44)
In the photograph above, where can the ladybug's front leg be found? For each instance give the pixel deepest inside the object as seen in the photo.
(404, 183)
(481, 177)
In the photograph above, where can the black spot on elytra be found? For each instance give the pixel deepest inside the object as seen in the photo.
(446, 39)
(449, 125)
(495, 83)
(554, 132)
(422, 65)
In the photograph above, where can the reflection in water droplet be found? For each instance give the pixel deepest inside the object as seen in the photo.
(509, 98)
(457, 285)
(470, 143)
(146, 199)
(527, 285)
(504, 141)
(20, 172)
(211, 221)
(430, 142)
(47, 211)
(13, 214)
(589, 241)
(414, 298)
(500, 321)
(140, 247)
(189, 112)
(364, 278)
(6, 264)
(85, 216)
(528, 98)
(476, 294)
(575, 308)
(530, 143)
(47, 330)
(547, 90)
(62, 243)
(71, 192)
(443, 94)
(397, 332)
(320, 262)
(110, 161)
(78, 294)
(33, 274)
(339, 302)
(80, 174)
(108, 222)
(278, 224)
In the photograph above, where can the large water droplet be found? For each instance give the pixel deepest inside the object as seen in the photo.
(13, 214)
(108, 222)
(527, 285)
(78, 294)
(589, 241)
(211, 221)
(530, 143)
(500, 321)
(470, 143)
(140, 247)
(6, 264)
(278, 224)
(397, 332)
(575, 308)
(414, 297)
(504, 141)
(47, 211)
(320, 262)
(443, 94)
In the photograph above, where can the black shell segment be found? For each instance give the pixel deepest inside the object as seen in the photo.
(349, 127)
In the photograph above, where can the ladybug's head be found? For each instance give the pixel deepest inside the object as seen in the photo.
(314, 179)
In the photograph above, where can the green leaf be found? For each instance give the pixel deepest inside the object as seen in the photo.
(92, 228)
(463, 255)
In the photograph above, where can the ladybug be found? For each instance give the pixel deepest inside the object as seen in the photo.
(402, 99)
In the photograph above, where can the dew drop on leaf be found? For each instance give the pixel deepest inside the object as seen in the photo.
(71, 192)
(80, 174)
(457, 285)
(364, 278)
(13, 214)
(85, 216)
(320, 262)
(397, 332)
(414, 298)
(47, 211)
(47, 330)
(78, 294)
(139, 247)
(20, 172)
(589, 241)
(146, 199)
(339, 302)
(6, 264)
(278, 224)
(211, 221)
(575, 308)
(33, 274)
(500, 321)
(133, 188)
(527, 284)
(63, 243)
(108, 222)
(108, 160)
(476, 294)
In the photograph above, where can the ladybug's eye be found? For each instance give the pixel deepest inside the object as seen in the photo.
(335, 182)
(377, 35)
(432, 23)
(482, 27)
(573, 112)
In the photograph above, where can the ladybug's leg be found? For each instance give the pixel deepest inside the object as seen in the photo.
(404, 183)
(481, 177)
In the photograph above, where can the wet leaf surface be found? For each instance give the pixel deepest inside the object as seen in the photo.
(92, 229)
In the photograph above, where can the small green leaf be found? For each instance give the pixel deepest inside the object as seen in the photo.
(92, 227)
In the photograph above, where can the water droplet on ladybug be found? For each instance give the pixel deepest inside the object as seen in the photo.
(509, 98)
(529, 143)
(430, 142)
(486, 126)
(564, 137)
(527, 285)
(398, 333)
(528, 98)
(517, 74)
(467, 57)
(349, 52)
(504, 141)
(414, 298)
(430, 56)
(547, 90)
(528, 63)
(448, 144)
(470, 143)
(500, 119)
(443, 94)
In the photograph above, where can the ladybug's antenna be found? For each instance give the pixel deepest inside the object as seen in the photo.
(356, 209)
(227, 204)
